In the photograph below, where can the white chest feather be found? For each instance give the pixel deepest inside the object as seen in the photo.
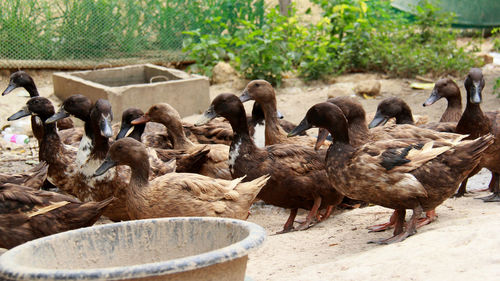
(233, 154)
(83, 151)
(89, 168)
(259, 136)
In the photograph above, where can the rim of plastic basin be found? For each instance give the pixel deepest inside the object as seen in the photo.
(11, 269)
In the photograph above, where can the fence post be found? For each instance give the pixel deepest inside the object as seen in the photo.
(285, 7)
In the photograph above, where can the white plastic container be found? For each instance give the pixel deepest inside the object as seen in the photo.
(15, 138)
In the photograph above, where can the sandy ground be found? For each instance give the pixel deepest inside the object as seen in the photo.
(461, 244)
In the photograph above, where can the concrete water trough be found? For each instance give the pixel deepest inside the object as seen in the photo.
(137, 86)
(154, 249)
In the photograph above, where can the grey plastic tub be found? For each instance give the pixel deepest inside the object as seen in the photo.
(154, 249)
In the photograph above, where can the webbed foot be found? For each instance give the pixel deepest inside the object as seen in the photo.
(494, 197)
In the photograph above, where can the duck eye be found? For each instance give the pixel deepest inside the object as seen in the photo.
(257, 85)
(154, 107)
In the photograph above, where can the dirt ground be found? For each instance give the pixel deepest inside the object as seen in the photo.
(461, 244)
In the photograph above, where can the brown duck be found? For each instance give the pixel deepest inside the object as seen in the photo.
(216, 165)
(22, 79)
(359, 134)
(475, 123)
(448, 89)
(178, 194)
(27, 214)
(399, 173)
(185, 162)
(397, 108)
(63, 170)
(298, 178)
(263, 93)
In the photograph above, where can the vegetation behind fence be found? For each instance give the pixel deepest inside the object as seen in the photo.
(103, 30)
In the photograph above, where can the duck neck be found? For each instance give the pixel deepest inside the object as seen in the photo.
(179, 139)
(241, 133)
(340, 150)
(137, 189)
(358, 130)
(31, 89)
(453, 111)
(101, 144)
(50, 144)
(37, 128)
(137, 132)
(273, 132)
(339, 132)
(140, 174)
(473, 120)
(87, 126)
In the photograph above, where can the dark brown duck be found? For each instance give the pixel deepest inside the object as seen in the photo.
(398, 173)
(298, 178)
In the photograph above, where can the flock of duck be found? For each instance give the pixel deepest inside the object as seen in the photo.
(160, 166)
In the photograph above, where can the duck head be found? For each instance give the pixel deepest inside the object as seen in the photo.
(21, 79)
(129, 115)
(389, 108)
(160, 113)
(262, 92)
(324, 115)
(76, 105)
(226, 105)
(259, 90)
(474, 84)
(443, 88)
(353, 111)
(38, 106)
(125, 151)
(101, 116)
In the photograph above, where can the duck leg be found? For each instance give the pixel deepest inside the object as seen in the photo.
(312, 214)
(397, 220)
(321, 217)
(384, 226)
(430, 216)
(495, 188)
(411, 229)
(289, 222)
(462, 189)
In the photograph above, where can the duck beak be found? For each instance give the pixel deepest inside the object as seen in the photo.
(59, 115)
(304, 125)
(105, 166)
(105, 126)
(141, 120)
(279, 115)
(434, 97)
(20, 114)
(9, 89)
(378, 120)
(476, 93)
(322, 135)
(124, 128)
(245, 96)
(207, 116)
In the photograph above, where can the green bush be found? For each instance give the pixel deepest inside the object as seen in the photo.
(354, 35)
(258, 50)
(496, 39)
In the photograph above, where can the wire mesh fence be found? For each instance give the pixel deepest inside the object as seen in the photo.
(89, 33)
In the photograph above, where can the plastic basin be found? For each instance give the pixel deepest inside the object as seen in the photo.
(153, 249)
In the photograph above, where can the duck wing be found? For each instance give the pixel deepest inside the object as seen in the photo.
(33, 178)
